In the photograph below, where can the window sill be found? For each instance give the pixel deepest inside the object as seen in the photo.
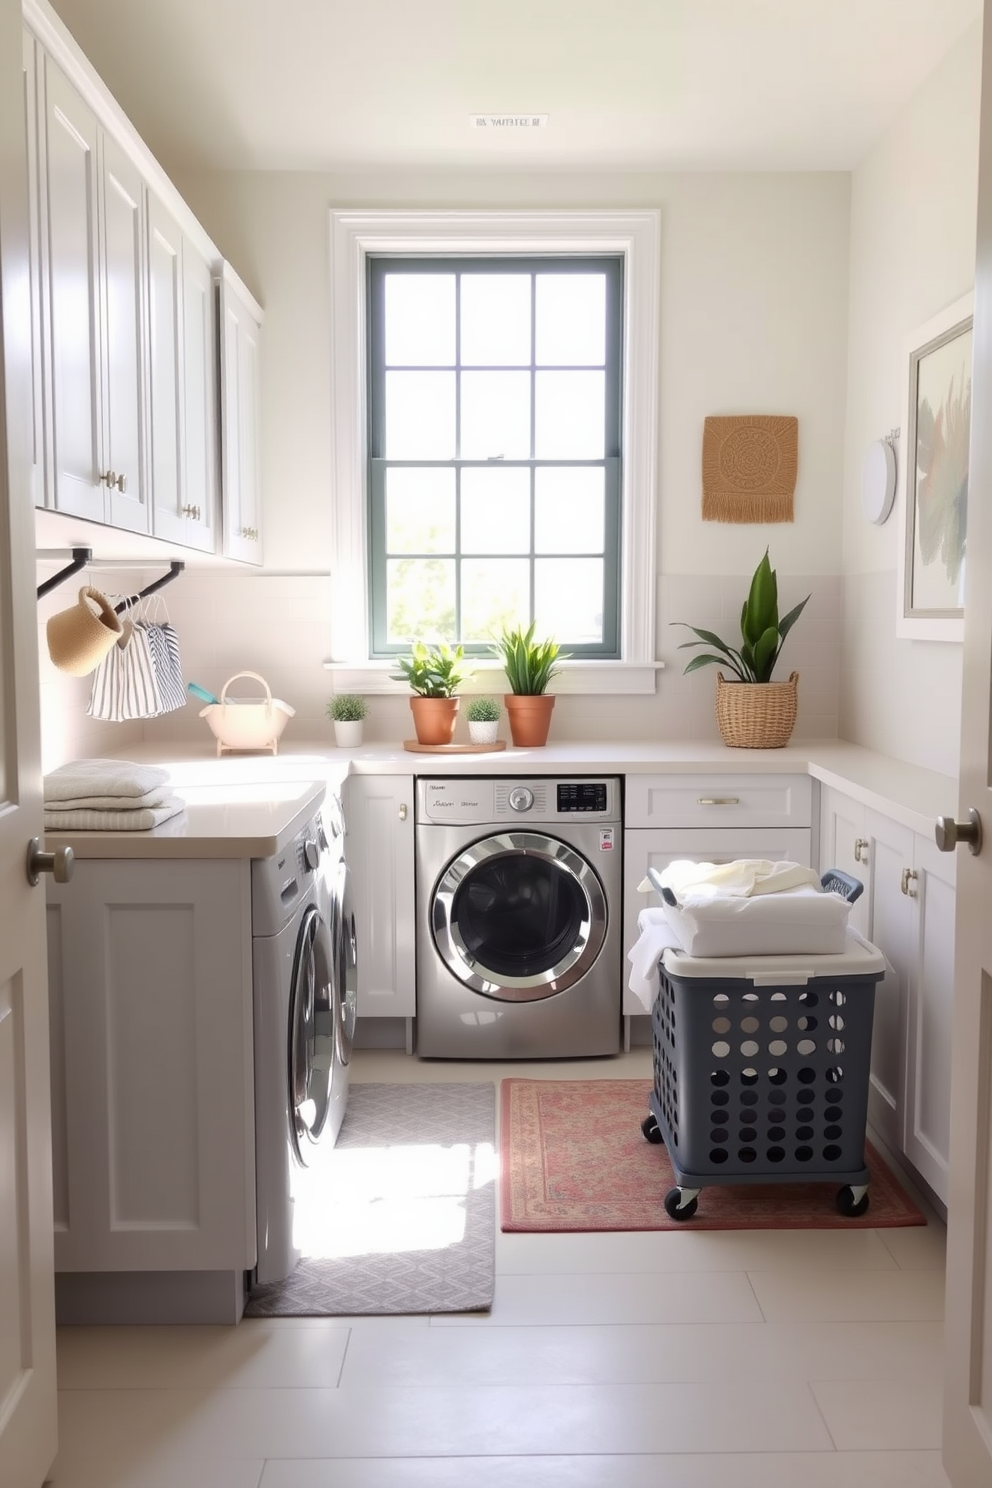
(596, 678)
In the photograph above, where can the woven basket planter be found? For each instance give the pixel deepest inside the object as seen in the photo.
(756, 715)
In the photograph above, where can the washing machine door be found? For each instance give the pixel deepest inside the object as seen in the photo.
(312, 1035)
(344, 947)
(519, 916)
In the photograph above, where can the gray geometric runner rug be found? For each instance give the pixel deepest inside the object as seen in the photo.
(399, 1216)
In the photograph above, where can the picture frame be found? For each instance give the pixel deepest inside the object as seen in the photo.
(933, 477)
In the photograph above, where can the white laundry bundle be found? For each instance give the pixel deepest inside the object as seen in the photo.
(750, 907)
(105, 795)
(141, 676)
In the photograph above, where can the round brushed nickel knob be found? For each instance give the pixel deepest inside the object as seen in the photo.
(949, 833)
(59, 863)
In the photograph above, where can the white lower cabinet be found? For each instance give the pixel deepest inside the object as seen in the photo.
(713, 819)
(151, 1038)
(907, 910)
(378, 812)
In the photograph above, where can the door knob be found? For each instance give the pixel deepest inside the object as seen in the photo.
(949, 832)
(59, 863)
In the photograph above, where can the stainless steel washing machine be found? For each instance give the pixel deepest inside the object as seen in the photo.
(518, 917)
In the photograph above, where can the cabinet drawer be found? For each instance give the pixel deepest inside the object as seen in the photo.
(719, 801)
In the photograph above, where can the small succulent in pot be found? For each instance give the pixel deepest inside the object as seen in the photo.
(347, 711)
(483, 710)
(347, 707)
(483, 719)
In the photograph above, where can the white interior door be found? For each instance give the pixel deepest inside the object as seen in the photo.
(968, 1390)
(27, 1316)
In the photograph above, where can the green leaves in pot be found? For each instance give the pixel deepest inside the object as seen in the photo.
(347, 707)
(433, 671)
(762, 632)
(529, 664)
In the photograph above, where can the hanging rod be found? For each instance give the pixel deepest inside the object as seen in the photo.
(175, 569)
(80, 558)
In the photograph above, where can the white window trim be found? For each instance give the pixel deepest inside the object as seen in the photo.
(634, 234)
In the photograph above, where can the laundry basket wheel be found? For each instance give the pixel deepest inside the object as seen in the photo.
(674, 1207)
(849, 1206)
(651, 1129)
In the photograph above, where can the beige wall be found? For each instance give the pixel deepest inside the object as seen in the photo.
(913, 213)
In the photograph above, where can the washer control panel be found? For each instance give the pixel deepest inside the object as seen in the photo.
(491, 801)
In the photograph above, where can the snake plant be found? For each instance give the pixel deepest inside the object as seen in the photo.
(762, 632)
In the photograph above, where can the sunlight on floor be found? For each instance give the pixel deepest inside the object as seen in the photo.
(387, 1200)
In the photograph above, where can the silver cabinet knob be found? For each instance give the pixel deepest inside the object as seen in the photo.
(121, 483)
(520, 798)
(949, 833)
(860, 850)
(109, 478)
(402, 811)
(906, 883)
(59, 863)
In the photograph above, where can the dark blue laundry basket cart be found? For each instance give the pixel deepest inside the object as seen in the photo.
(761, 1068)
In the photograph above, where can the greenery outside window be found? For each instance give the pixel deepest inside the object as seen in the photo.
(494, 450)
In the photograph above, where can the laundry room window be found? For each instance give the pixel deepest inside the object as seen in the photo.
(494, 457)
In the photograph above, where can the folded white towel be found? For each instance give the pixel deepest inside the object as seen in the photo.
(155, 797)
(743, 878)
(102, 777)
(141, 820)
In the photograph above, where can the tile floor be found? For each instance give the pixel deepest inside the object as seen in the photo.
(665, 1360)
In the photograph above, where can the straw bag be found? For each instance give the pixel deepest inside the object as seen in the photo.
(756, 715)
(79, 638)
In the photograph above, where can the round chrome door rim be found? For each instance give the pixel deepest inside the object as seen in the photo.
(309, 1087)
(345, 963)
(471, 972)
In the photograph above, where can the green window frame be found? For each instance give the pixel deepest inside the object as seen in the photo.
(378, 269)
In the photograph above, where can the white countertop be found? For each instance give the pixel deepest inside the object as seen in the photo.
(251, 805)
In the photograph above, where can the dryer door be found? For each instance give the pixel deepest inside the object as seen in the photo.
(519, 916)
(312, 1034)
(345, 951)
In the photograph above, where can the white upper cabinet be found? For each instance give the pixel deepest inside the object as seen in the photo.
(240, 337)
(146, 393)
(182, 385)
(92, 305)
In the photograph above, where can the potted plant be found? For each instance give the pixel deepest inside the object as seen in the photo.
(434, 674)
(348, 712)
(529, 666)
(753, 712)
(483, 719)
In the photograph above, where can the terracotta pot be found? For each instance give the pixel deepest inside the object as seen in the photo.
(529, 715)
(435, 719)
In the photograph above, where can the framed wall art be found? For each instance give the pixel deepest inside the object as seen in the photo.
(933, 477)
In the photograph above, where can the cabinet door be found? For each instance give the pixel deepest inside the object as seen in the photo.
(152, 996)
(379, 842)
(890, 855)
(930, 1005)
(199, 390)
(645, 848)
(240, 404)
(843, 845)
(72, 299)
(123, 338)
(165, 374)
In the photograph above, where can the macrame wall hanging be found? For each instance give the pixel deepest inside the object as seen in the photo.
(749, 468)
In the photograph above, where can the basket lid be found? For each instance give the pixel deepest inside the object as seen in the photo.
(859, 959)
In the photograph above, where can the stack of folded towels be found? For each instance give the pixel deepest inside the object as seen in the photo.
(99, 795)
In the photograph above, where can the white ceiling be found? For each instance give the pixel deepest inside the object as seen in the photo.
(628, 84)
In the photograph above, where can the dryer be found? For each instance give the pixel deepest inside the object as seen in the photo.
(518, 893)
(304, 971)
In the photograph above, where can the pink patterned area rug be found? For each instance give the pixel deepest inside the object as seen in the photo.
(573, 1158)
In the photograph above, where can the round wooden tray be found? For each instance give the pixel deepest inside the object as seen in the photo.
(417, 748)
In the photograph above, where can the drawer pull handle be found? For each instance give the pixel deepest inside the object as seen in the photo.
(718, 801)
(861, 850)
(908, 879)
